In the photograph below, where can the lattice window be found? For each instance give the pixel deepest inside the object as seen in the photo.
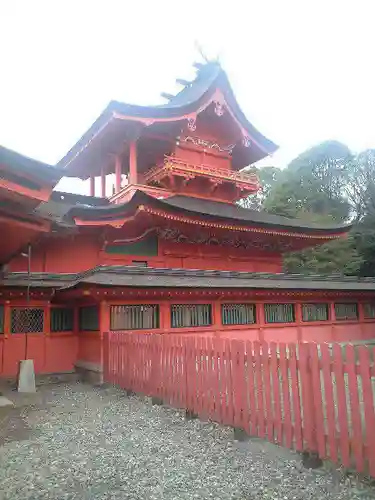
(314, 312)
(185, 315)
(88, 318)
(135, 317)
(279, 313)
(1, 319)
(238, 314)
(346, 310)
(369, 310)
(27, 320)
(62, 319)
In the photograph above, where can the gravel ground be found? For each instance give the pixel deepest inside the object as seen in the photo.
(80, 442)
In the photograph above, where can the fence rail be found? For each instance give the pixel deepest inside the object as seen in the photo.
(307, 397)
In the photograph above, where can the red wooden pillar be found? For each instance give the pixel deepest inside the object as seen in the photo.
(104, 325)
(7, 319)
(118, 173)
(260, 319)
(332, 317)
(165, 316)
(76, 320)
(298, 313)
(47, 319)
(102, 178)
(133, 176)
(92, 185)
(216, 317)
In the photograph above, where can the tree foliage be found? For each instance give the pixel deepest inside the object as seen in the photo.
(326, 184)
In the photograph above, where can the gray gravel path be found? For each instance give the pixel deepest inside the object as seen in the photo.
(92, 443)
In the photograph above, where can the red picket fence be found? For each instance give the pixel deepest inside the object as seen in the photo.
(308, 397)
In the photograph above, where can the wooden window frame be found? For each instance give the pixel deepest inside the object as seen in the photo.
(228, 305)
(346, 318)
(81, 329)
(327, 306)
(293, 306)
(187, 306)
(156, 313)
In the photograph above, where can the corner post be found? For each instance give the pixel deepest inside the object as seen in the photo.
(118, 166)
(102, 181)
(133, 174)
(92, 185)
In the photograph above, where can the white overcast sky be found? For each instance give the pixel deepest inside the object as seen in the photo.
(303, 71)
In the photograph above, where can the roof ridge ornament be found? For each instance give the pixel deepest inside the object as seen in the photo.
(192, 124)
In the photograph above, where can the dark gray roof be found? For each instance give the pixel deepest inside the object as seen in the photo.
(48, 174)
(132, 276)
(60, 203)
(204, 208)
(209, 77)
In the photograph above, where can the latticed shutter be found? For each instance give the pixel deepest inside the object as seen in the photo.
(238, 314)
(135, 317)
(88, 318)
(315, 312)
(185, 315)
(27, 320)
(369, 310)
(279, 313)
(346, 310)
(62, 319)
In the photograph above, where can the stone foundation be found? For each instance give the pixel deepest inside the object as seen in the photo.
(91, 373)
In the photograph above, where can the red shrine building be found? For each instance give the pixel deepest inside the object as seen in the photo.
(162, 246)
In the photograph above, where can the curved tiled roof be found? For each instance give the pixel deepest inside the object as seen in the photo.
(32, 168)
(203, 208)
(209, 78)
(130, 276)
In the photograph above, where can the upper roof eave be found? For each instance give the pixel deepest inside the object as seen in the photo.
(210, 77)
(205, 208)
(30, 167)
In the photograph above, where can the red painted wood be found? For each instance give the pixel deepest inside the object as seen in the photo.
(357, 440)
(342, 407)
(216, 410)
(285, 397)
(330, 401)
(307, 402)
(275, 377)
(229, 383)
(228, 380)
(368, 403)
(251, 394)
(260, 388)
(316, 397)
(241, 414)
(268, 391)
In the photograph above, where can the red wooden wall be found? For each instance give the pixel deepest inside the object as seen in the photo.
(79, 253)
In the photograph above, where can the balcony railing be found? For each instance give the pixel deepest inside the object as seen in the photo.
(186, 169)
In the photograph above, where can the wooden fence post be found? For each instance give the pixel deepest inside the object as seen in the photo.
(308, 421)
(106, 353)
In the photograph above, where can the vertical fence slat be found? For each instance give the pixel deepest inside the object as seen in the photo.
(239, 391)
(259, 391)
(342, 407)
(287, 420)
(316, 396)
(267, 391)
(329, 400)
(229, 374)
(307, 394)
(275, 377)
(368, 403)
(357, 444)
(250, 374)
